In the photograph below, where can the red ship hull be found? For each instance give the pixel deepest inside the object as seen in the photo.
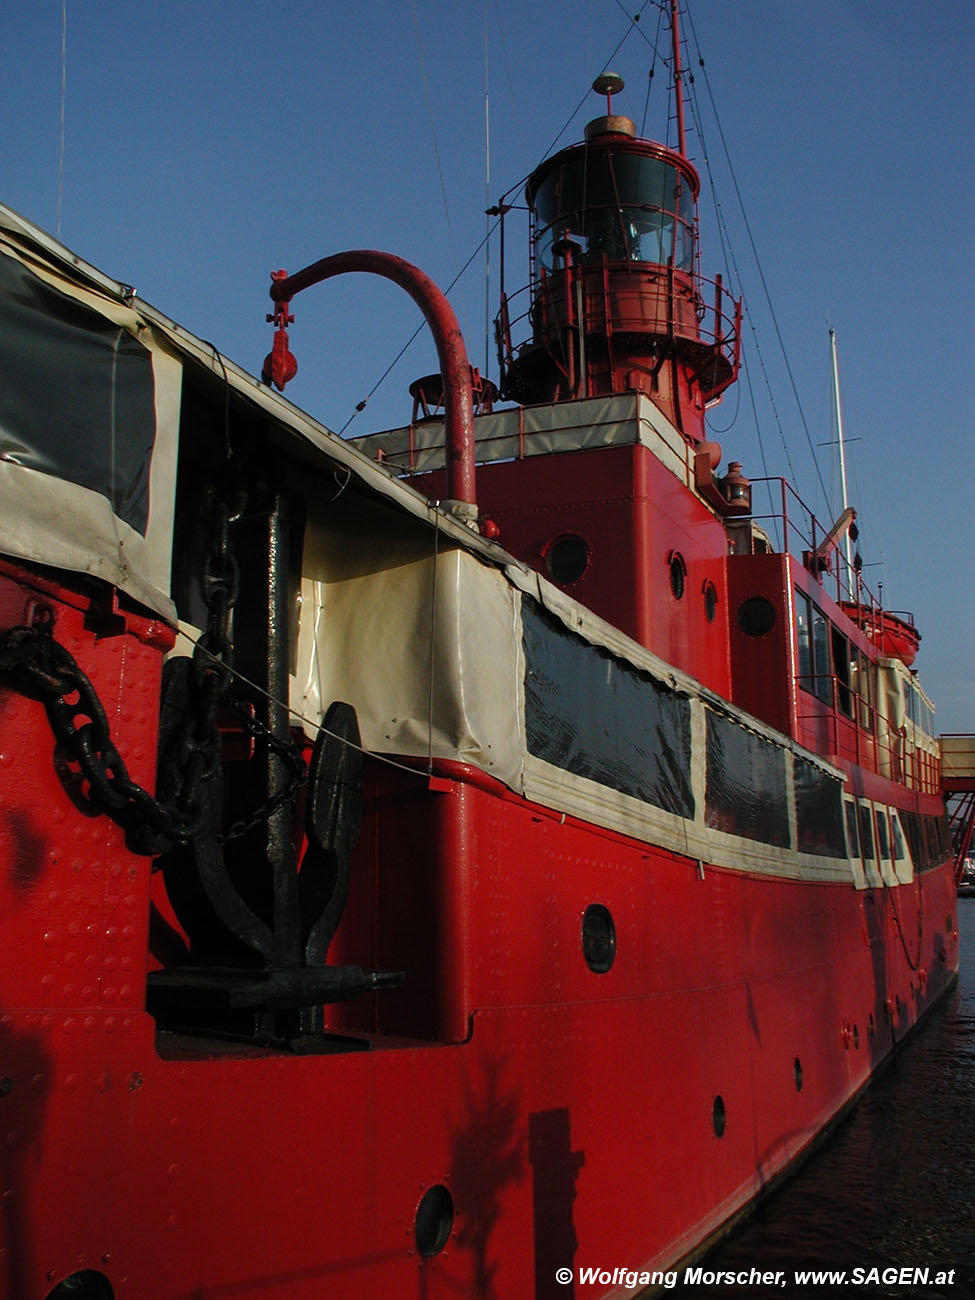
(573, 1118)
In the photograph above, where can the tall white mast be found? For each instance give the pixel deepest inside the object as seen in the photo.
(839, 434)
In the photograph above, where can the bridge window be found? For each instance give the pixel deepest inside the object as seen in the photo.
(841, 669)
(812, 633)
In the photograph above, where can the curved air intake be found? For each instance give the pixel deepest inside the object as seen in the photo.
(451, 353)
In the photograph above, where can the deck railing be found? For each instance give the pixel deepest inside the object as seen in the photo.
(802, 535)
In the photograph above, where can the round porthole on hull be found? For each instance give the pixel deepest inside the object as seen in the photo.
(710, 601)
(678, 572)
(598, 938)
(86, 1285)
(718, 1116)
(567, 558)
(434, 1221)
(756, 616)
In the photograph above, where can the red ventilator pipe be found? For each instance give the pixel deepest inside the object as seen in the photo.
(451, 352)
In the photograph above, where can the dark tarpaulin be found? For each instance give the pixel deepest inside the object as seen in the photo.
(77, 399)
(746, 793)
(819, 811)
(598, 717)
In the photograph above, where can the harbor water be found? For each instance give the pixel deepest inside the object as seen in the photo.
(889, 1201)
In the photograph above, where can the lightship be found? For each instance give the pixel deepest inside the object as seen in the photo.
(435, 864)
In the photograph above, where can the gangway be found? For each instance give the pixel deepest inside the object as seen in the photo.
(958, 788)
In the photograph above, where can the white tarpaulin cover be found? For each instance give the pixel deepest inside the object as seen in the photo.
(446, 656)
(88, 430)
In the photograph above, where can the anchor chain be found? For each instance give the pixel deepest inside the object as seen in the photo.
(290, 755)
(45, 669)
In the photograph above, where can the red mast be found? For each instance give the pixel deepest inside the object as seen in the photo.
(678, 88)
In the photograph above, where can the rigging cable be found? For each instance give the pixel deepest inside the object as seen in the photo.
(487, 203)
(507, 72)
(64, 84)
(653, 68)
(361, 406)
(316, 727)
(633, 21)
(758, 264)
(731, 265)
(433, 128)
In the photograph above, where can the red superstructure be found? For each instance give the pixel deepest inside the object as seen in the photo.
(404, 901)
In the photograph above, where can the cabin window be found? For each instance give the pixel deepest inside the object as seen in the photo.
(922, 713)
(600, 718)
(914, 839)
(866, 832)
(841, 670)
(819, 819)
(822, 681)
(804, 640)
(937, 839)
(812, 637)
(852, 834)
(861, 684)
(910, 701)
(883, 844)
(83, 408)
(898, 845)
(930, 827)
(746, 785)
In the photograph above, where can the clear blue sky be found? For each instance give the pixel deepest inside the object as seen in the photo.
(206, 144)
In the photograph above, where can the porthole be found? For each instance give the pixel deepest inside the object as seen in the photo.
(871, 1026)
(567, 558)
(710, 601)
(434, 1221)
(598, 938)
(856, 1037)
(797, 1073)
(678, 572)
(86, 1285)
(756, 616)
(718, 1116)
